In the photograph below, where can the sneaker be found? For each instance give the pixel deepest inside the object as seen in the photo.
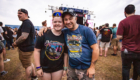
(3, 73)
(130, 79)
(7, 60)
(34, 78)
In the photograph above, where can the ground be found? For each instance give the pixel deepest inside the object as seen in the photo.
(107, 68)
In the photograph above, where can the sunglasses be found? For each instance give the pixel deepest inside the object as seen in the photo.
(57, 14)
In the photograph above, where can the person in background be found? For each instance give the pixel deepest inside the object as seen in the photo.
(4, 42)
(114, 41)
(2, 71)
(129, 32)
(9, 38)
(86, 24)
(99, 36)
(25, 43)
(106, 38)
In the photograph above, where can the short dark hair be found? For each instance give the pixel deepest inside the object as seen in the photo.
(100, 27)
(114, 24)
(107, 25)
(97, 28)
(1, 23)
(129, 9)
(86, 24)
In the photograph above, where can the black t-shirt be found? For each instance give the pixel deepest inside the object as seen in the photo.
(106, 33)
(52, 51)
(28, 44)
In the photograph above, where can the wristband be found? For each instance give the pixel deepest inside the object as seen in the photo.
(65, 68)
(38, 67)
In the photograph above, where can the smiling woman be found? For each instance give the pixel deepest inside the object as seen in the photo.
(53, 48)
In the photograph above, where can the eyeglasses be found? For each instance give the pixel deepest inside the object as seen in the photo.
(23, 10)
(57, 14)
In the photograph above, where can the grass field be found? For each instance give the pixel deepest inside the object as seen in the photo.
(107, 68)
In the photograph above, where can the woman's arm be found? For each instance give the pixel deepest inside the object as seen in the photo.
(37, 57)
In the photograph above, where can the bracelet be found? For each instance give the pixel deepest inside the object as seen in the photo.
(65, 68)
(38, 67)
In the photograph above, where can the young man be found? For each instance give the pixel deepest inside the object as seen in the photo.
(129, 32)
(82, 46)
(106, 38)
(4, 42)
(25, 43)
(114, 41)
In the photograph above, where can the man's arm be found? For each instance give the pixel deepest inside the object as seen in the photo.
(95, 55)
(119, 37)
(22, 38)
(111, 36)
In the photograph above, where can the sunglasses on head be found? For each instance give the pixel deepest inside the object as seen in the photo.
(57, 14)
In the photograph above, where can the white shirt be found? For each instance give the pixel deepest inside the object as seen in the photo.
(1, 31)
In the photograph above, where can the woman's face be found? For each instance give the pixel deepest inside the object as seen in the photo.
(57, 23)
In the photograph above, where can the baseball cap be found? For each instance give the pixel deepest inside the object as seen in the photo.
(24, 11)
(68, 11)
(129, 8)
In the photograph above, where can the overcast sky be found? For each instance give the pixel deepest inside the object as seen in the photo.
(106, 11)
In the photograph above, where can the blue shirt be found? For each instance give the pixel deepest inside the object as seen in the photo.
(114, 31)
(78, 43)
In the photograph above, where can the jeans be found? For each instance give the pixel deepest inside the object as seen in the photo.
(9, 43)
(127, 59)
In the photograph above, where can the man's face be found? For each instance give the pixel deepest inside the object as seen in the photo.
(21, 15)
(69, 21)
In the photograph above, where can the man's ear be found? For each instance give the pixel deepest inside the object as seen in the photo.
(76, 18)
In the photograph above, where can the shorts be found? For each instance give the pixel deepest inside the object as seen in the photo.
(2, 45)
(25, 58)
(114, 42)
(104, 44)
(99, 37)
(75, 74)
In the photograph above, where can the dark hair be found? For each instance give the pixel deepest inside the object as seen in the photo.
(107, 25)
(114, 24)
(86, 24)
(100, 27)
(97, 28)
(129, 9)
(1, 23)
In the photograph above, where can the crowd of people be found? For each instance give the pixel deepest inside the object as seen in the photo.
(69, 48)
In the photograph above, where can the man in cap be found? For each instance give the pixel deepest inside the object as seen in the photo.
(129, 32)
(25, 43)
(82, 48)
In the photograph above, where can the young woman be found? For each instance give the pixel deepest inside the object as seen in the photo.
(50, 52)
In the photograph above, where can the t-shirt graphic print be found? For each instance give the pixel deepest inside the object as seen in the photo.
(74, 45)
(54, 49)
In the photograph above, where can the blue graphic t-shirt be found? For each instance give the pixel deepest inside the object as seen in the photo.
(78, 43)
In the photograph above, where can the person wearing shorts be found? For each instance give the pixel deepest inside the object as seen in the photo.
(2, 71)
(105, 40)
(114, 41)
(25, 43)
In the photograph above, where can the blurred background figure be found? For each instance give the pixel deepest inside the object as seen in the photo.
(9, 38)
